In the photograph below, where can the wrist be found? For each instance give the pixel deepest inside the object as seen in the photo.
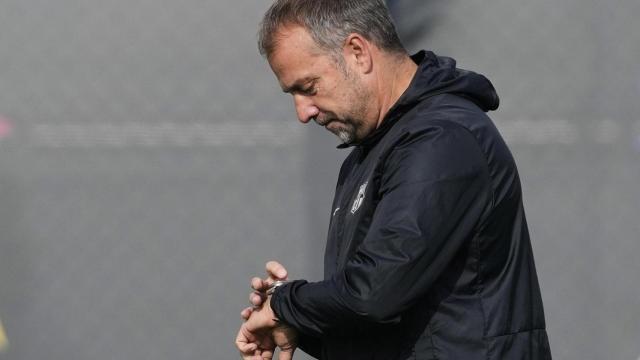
(272, 288)
(270, 293)
(273, 318)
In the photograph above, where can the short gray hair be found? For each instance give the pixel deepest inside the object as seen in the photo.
(329, 22)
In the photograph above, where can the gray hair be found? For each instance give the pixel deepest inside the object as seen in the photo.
(329, 22)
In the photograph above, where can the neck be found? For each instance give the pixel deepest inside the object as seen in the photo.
(393, 81)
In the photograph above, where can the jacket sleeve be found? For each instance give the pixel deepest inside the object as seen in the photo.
(434, 189)
(310, 345)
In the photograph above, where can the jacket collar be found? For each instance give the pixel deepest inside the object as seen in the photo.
(435, 75)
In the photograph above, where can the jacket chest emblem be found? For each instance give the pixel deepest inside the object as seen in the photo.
(360, 198)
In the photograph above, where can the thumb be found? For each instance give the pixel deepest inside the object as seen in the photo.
(285, 355)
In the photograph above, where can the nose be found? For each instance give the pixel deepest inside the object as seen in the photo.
(305, 108)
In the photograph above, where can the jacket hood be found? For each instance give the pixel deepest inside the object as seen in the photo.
(436, 75)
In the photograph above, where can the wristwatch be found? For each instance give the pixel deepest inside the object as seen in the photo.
(271, 289)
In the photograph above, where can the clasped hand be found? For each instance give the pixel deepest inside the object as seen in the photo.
(261, 332)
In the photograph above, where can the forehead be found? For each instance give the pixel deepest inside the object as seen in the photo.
(296, 57)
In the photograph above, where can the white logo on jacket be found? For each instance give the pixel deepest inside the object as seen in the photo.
(359, 199)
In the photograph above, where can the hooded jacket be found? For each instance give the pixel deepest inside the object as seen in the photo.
(428, 254)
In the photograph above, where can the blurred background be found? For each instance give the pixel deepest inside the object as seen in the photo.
(150, 165)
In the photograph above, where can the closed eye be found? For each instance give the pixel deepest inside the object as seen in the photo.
(310, 91)
(307, 87)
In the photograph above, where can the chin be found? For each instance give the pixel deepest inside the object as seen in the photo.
(345, 137)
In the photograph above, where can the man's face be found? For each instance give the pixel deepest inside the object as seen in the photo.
(324, 88)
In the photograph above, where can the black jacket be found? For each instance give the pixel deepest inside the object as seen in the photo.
(428, 253)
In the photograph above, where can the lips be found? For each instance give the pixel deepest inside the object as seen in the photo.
(323, 122)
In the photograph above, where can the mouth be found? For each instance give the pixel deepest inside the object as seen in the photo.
(325, 121)
(322, 122)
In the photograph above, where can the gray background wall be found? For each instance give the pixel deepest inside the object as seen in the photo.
(150, 166)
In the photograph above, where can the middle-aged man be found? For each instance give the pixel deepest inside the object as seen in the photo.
(428, 253)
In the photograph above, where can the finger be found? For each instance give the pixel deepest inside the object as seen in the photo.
(246, 313)
(285, 355)
(267, 354)
(276, 270)
(256, 299)
(243, 344)
(246, 349)
(259, 285)
(248, 344)
(257, 355)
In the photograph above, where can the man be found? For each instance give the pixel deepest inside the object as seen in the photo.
(428, 253)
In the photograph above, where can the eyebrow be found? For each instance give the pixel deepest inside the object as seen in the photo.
(298, 85)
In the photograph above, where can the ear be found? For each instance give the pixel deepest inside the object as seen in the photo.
(357, 52)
